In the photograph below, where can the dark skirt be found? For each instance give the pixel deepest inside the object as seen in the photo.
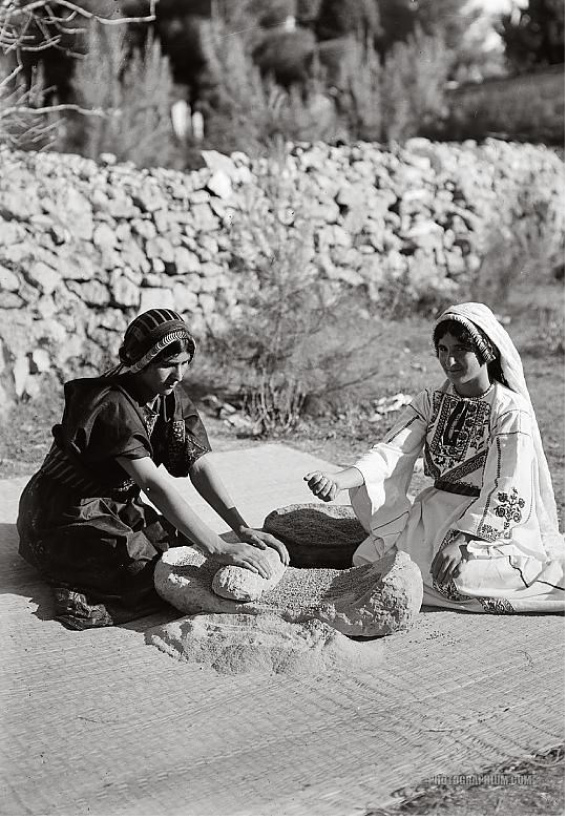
(98, 553)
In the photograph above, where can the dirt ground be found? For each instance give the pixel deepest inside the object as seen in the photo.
(340, 435)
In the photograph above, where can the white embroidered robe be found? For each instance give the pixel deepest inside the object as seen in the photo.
(480, 454)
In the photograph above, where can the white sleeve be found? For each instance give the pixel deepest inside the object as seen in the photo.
(387, 468)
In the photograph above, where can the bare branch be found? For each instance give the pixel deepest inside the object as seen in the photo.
(32, 8)
(10, 77)
(24, 109)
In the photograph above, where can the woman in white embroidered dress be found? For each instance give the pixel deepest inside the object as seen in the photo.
(485, 536)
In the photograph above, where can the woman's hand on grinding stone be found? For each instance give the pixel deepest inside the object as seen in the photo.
(262, 540)
(244, 555)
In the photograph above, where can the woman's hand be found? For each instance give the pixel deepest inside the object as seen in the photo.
(445, 565)
(262, 540)
(323, 485)
(244, 555)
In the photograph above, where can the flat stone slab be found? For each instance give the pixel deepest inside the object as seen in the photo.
(263, 643)
(367, 601)
(317, 535)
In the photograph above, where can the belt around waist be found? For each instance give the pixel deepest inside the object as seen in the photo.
(460, 488)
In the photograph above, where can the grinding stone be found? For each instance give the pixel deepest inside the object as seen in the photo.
(367, 601)
(317, 535)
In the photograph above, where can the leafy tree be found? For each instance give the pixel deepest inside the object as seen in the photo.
(535, 37)
(340, 18)
(397, 22)
(307, 11)
(448, 19)
(244, 17)
(359, 96)
(286, 55)
(413, 85)
(39, 43)
(50, 34)
(133, 99)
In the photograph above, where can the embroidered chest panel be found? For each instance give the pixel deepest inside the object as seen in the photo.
(458, 436)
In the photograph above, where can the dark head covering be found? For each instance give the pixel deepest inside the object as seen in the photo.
(148, 334)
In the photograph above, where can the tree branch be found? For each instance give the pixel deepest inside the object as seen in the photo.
(31, 9)
(53, 109)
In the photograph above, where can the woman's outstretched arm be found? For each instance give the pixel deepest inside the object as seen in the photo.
(171, 504)
(206, 479)
(326, 486)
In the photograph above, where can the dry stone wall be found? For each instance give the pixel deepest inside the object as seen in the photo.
(85, 246)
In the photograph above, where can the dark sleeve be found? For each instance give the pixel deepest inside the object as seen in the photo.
(112, 429)
(187, 439)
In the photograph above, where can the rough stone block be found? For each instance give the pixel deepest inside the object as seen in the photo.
(11, 300)
(42, 276)
(218, 162)
(9, 281)
(104, 236)
(204, 219)
(186, 261)
(124, 291)
(220, 184)
(156, 299)
(93, 292)
(367, 601)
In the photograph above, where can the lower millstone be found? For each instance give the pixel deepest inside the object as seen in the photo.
(367, 601)
(317, 535)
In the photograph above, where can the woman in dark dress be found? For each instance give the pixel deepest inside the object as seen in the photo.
(82, 522)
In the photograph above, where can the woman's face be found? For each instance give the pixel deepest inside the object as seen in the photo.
(160, 379)
(461, 365)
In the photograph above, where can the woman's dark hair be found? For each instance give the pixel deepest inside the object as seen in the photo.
(458, 330)
(462, 333)
(172, 350)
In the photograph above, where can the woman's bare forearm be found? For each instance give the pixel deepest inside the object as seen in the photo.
(208, 483)
(175, 509)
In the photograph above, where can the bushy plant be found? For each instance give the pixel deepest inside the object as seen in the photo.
(360, 96)
(286, 55)
(534, 36)
(413, 82)
(395, 98)
(341, 18)
(295, 337)
(247, 111)
(528, 109)
(127, 100)
(24, 122)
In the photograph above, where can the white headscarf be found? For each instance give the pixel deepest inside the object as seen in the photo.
(513, 371)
